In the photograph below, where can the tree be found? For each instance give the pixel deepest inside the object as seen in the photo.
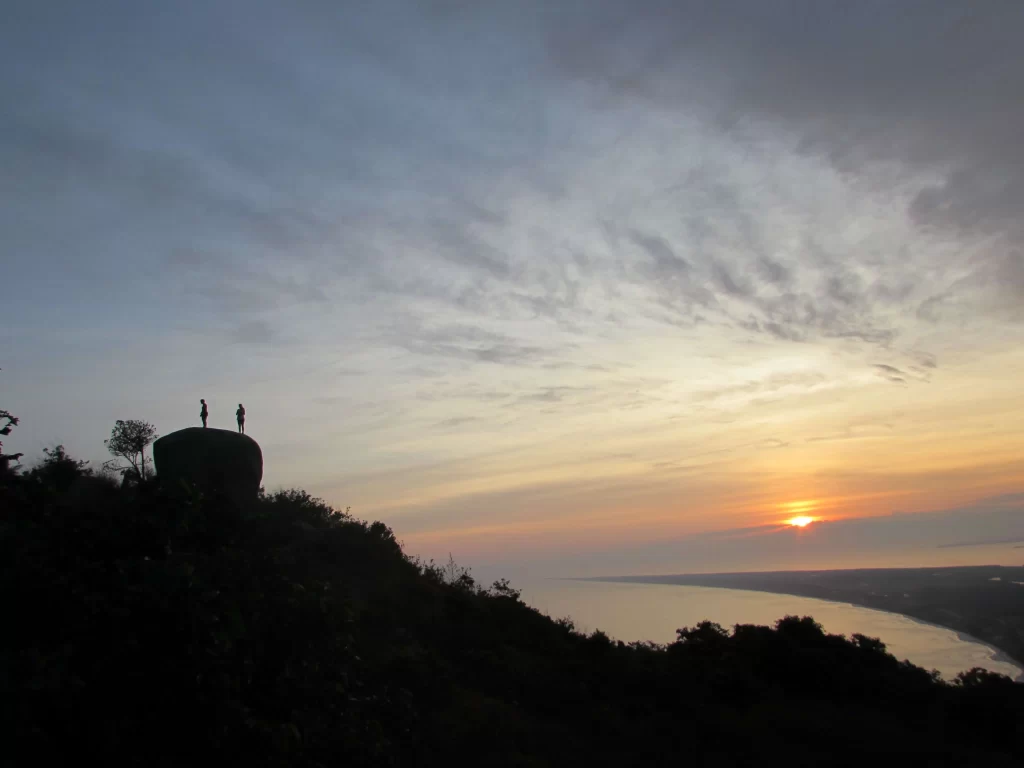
(976, 677)
(8, 423)
(504, 588)
(59, 470)
(128, 441)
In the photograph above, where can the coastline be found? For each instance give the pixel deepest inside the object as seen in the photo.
(998, 654)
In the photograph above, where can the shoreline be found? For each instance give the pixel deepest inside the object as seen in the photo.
(998, 654)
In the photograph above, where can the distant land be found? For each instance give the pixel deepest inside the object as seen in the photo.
(984, 601)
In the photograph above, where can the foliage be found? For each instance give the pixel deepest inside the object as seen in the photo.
(455, 575)
(158, 631)
(7, 423)
(128, 441)
(976, 677)
(6, 459)
(502, 588)
(59, 470)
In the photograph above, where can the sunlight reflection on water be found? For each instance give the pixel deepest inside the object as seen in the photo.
(654, 611)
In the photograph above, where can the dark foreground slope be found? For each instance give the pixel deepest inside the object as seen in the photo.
(984, 601)
(144, 630)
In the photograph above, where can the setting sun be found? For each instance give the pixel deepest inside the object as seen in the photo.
(801, 521)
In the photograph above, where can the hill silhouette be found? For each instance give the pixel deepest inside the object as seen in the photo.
(152, 628)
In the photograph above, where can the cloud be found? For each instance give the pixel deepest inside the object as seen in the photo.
(797, 382)
(554, 394)
(929, 88)
(855, 432)
(984, 541)
(255, 332)
(924, 359)
(366, 209)
(466, 342)
(920, 368)
(457, 421)
(236, 287)
(890, 373)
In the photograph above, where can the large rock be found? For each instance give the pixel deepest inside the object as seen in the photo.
(213, 460)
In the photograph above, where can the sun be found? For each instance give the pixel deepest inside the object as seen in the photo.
(800, 512)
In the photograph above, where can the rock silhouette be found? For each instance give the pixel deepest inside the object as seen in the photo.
(213, 460)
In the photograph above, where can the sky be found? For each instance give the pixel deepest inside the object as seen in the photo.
(557, 287)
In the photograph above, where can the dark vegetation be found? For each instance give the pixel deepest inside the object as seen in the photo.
(152, 631)
(7, 423)
(984, 601)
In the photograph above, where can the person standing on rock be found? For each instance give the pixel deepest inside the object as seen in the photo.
(240, 416)
(204, 412)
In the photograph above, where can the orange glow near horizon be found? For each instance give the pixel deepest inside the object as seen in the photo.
(687, 495)
(801, 506)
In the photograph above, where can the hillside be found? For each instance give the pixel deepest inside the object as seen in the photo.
(150, 630)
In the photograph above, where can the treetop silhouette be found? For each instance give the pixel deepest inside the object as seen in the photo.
(128, 441)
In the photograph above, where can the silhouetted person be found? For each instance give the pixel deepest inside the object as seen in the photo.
(240, 416)
(204, 412)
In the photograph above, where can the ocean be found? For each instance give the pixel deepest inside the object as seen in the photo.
(653, 612)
